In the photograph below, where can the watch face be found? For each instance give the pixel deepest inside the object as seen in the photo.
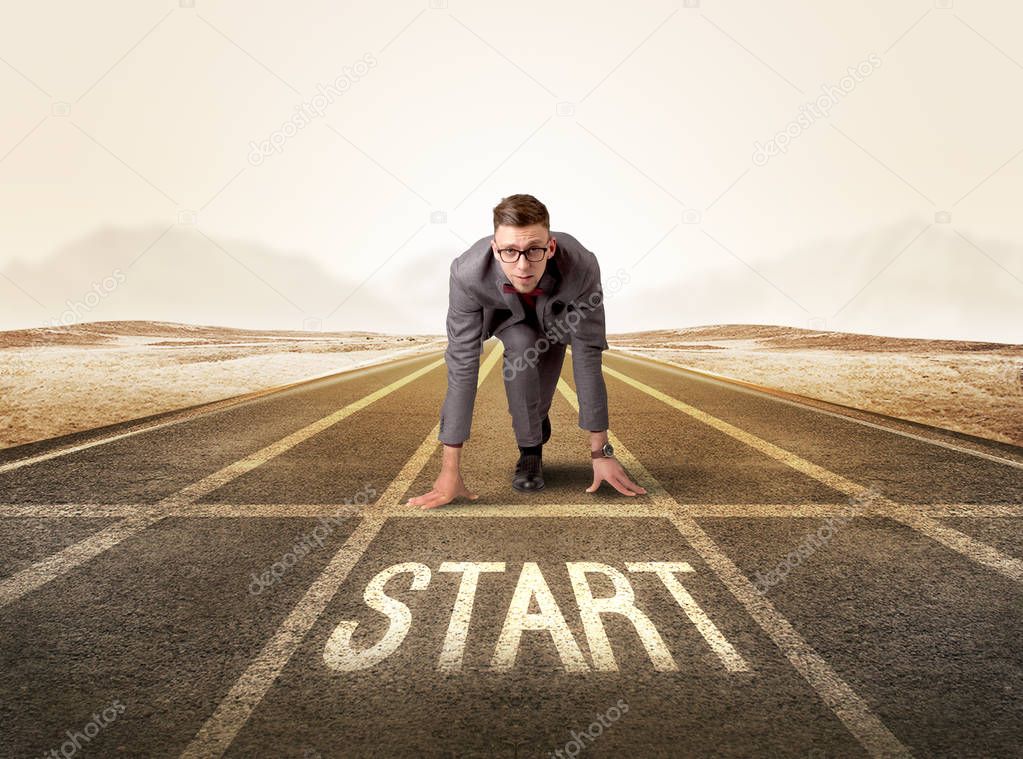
(608, 450)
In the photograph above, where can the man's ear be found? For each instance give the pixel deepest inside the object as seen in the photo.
(554, 249)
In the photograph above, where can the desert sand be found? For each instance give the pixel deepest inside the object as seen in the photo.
(59, 380)
(970, 387)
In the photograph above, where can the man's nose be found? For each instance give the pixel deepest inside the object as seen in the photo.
(522, 263)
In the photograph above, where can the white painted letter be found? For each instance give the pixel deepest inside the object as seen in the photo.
(622, 602)
(458, 629)
(339, 654)
(731, 658)
(532, 585)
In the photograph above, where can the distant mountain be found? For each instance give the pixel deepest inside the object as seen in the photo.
(940, 287)
(947, 283)
(181, 276)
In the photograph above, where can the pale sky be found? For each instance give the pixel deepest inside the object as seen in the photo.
(127, 167)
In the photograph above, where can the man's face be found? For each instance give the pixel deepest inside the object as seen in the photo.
(523, 274)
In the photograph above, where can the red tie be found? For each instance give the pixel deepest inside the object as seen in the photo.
(529, 297)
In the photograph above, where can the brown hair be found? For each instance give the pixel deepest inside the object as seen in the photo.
(521, 211)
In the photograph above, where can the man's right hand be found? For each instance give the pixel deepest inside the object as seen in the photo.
(446, 488)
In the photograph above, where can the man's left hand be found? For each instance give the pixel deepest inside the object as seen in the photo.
(611, 469)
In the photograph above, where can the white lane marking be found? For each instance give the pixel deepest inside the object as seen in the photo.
(771, 393)
(852, 710)
(217, 733)
(42, 572)
(62, 562)
(612, 509)
(966, 546)
(184, 416)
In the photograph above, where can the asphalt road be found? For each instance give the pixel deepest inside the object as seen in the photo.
(250, 582)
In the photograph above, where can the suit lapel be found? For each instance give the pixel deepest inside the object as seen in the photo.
(548, 283)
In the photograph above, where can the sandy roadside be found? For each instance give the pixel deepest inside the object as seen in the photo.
(972, 390)
(60, 381)
(51, 390)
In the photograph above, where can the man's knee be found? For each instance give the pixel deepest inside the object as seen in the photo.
(518, 338)
(522, 350)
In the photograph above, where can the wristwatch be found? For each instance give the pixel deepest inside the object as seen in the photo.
(606, 452)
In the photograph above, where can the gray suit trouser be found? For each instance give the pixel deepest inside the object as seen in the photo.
(530, 377)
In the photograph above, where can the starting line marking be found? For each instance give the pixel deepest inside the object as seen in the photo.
(617, 510)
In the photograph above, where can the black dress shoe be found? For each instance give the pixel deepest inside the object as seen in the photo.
(528, 473)
(545, 428)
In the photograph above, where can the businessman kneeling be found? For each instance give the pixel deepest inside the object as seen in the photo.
(512, 286)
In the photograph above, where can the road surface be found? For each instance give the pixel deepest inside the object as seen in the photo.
(250, 581)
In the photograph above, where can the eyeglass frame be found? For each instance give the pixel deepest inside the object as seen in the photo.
(520, 253)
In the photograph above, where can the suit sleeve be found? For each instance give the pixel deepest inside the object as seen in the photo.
(589, 340)
(462, 356)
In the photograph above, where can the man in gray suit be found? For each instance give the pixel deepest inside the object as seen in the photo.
(511, 286)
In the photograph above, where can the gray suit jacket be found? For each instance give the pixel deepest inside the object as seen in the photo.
(570, 311)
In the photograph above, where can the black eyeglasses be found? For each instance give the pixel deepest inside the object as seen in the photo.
(511, 255)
